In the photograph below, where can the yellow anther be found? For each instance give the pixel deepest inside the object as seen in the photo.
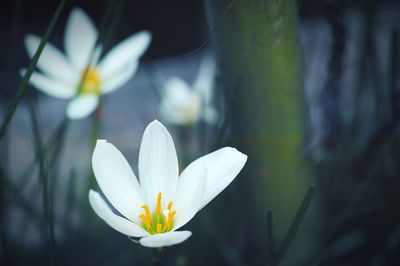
(147, 211)
(145, 219)
(169, 220)
(169, 206)
(159, 228)
(161, 220)
(158, 206)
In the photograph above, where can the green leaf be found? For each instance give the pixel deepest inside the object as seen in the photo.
(294, 227)
(24, 83)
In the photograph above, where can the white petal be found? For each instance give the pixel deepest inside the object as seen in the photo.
(205, 80)
(82, 106)
(222, 166)
(128, 51)
(180, 104)
(177, 91)
(173, 115)
(210, 115)
(165, 239)
(119, 223)
(117, 180)
(119, 79)
(189, 195)
(158, 164)
(96, 55)
(50, 86)
(79, 38)
(51, 61)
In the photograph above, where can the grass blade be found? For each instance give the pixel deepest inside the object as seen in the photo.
(394, 68)
(44, 178)
(294, 227)
(24, 83)
(270, 238)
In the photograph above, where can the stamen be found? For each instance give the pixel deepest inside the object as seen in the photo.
(159, 228)
(146, 209)
(159, 221)
(169, 206)
(158, 206)
(91, 81)
(169, 221)
(145, 219)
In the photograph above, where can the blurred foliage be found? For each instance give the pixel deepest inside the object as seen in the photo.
(357, 164)
(263, 218)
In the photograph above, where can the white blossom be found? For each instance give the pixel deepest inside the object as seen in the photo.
(79, 75)
(154, 207)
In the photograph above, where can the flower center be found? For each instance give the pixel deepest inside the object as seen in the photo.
(190, 112)
(161, 221)
(90, 81)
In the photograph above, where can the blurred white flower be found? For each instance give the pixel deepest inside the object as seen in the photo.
(162, 203)
(185, 105)
(78, 75)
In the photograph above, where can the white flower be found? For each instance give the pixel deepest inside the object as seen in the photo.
(184, 105)
(61, 74)
(161, 203)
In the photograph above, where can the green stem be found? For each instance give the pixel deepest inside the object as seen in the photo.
(156, 258)
(95, 134)
(44, 178)
(24, 83)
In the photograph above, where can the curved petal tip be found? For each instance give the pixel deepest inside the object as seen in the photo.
(82, 106)
(165, 239)
(101, 141)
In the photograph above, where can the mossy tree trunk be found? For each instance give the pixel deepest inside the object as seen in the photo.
(260, 67)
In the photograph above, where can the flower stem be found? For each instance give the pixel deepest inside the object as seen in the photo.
(156, 259)
(95, 134)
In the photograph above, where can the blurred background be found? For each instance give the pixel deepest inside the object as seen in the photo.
(309, 90)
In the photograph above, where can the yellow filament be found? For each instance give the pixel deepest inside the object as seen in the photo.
(146, 221)
(159, 228)
(147, 211)
(170, 219)
(159, 221)
(158, 206)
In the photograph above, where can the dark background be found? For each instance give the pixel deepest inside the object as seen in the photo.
(349, 49)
